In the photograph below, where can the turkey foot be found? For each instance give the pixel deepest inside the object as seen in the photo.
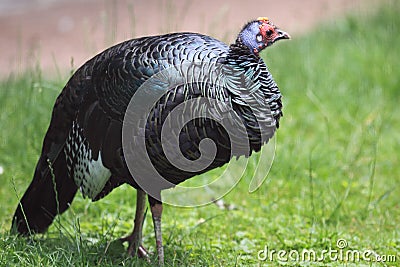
(135, 249)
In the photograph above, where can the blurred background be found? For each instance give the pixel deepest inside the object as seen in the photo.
(335, 173)
(56, 35)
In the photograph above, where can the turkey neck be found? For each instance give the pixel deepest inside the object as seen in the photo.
(258, 80)
(240, 53)
(254, 93)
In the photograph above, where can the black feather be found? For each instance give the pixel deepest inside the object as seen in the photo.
(87, 119)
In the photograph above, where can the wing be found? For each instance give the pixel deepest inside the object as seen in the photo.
(116, 75)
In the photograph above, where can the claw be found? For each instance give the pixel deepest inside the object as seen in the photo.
(134, 250)
(142, 252)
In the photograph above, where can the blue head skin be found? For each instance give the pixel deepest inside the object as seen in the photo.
(259, 34)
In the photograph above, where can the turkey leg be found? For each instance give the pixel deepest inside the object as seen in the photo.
(156, 211)
(135, 239)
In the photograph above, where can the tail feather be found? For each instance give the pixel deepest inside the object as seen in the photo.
(50, 193)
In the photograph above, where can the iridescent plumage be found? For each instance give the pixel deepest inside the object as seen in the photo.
(83, 146)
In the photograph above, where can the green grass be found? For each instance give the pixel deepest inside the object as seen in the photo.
(335, 174)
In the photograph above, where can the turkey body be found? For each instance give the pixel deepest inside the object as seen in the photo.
(83, 146)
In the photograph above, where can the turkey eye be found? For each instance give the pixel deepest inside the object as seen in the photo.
(269, 32)
(259, 37)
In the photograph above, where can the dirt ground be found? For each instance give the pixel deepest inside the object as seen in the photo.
(55, 34)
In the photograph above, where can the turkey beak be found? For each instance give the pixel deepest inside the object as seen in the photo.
(281, 35)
